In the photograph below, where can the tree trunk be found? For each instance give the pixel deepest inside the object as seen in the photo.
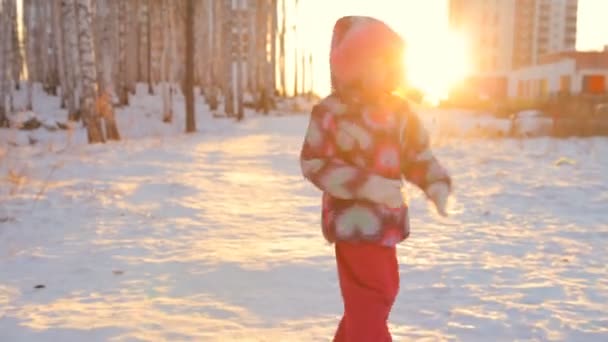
(149, 47)
(240, 58)
(123, 88)
(133, 62)
(295, 54)
(17, 66)
(167, 60)
(282, 61)
(254, 35)
(66, 91)
(228, 60)
(4, 34)
(51, 79)
(216, 41)
(70, 30)
(156, 43)
(271, 85)
(89, 74)
(9, 51)
(30, 33)
(104, 102)
(189, 72)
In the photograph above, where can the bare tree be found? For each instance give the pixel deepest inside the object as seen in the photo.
(4, 66)
(228, 59)
(104, 81)
(271, 85)
(89, 74)
(189, 72)
(240, 26)
(17, 66)
(167, 59)
(217, 45)
(72, 57)
(8, 55)
(295, 54)
(29, 22)
(132, 50)
(282, 61)
(123, 89)
(66, 91)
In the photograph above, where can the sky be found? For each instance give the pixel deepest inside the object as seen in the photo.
(436, 58)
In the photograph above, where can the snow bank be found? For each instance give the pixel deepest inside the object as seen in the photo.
(215, 237)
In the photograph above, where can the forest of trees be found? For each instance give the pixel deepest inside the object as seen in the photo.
(92, 53)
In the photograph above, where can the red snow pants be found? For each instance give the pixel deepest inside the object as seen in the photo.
(369, 281)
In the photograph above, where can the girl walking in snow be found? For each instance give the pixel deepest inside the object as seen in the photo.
(361, 142)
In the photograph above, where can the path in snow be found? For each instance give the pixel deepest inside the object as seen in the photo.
(216, 238)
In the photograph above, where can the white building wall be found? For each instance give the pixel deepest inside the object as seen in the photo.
(550, 72)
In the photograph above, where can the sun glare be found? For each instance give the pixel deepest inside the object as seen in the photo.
(436, 67)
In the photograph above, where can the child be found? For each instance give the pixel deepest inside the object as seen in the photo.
(360, 142)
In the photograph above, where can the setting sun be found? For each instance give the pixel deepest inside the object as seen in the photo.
(436, 57)
(435, 68)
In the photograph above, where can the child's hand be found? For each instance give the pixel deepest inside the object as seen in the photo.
(438, 193)
(383, 191)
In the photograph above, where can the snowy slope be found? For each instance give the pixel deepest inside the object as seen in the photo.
(214, 237)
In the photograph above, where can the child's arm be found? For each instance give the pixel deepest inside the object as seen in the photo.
(419, 165)
(330, 174)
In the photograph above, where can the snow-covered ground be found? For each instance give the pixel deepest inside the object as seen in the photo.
(215, 237)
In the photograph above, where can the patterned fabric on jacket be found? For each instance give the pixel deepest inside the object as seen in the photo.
(362, 141)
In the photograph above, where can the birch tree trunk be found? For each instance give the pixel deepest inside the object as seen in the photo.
(295, 54)
(167, 60)
(70, 30)
(66, 91)
(216, 44)
(4, 34)
(200, 38)
(262, 73)
(104, 102)
(89, 74)
(282, 61)
(17, 66)
(156, 43)
(240, 58)
(149, 48)
(145, 45)
(30, 34)
(228, 59)
(253, 36)
(133, 62)
(189, 72)
(271, 86)
(123, 88)
(9, 51)
(49, 57)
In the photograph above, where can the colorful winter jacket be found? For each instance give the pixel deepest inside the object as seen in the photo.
(360, 143)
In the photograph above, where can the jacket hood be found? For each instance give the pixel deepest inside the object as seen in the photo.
(366, 57)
